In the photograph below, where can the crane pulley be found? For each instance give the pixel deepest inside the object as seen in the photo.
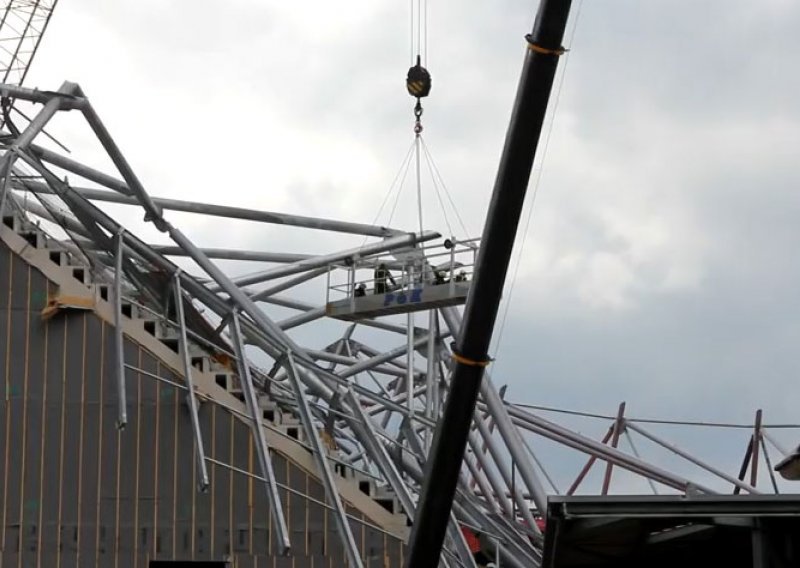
(418, 84)
(418, 80)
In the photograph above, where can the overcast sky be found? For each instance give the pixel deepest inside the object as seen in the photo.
(660, 263)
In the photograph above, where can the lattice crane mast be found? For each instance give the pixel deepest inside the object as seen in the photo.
(22, 26)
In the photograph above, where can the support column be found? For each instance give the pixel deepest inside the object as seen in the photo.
(119, 352)
(320, 456)
(619, 426)
(262, 449)
(191, 399)
(756, 449)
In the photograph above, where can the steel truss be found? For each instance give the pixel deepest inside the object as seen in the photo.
(367, 412)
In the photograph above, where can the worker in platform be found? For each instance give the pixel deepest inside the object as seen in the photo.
(382, 279)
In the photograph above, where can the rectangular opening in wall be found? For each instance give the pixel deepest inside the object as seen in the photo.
(387, 504)
(188, 564)
(222, 380)
(30, 238)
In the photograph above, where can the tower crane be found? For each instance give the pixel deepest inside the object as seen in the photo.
(22, 26)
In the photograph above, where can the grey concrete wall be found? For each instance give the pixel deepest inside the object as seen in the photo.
(76, 492)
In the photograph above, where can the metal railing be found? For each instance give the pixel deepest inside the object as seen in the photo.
(431, 265)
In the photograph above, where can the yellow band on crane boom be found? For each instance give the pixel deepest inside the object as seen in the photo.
(470, 362)
(545, 50)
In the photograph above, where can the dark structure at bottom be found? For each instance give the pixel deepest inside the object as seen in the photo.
(673, 531)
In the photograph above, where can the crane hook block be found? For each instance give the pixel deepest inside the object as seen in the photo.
(418, 81)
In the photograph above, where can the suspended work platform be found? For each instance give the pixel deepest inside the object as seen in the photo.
(400, 301)
(409, 282)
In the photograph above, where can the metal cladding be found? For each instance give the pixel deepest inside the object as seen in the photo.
(76, 491)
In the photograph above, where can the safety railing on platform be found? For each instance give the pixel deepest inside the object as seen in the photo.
(402, 278)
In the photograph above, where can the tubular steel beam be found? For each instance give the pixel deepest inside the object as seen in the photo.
(153, 211)
(483, 486)
(575, 440)
(318, 451)
(289, 282)
(463, 553)
(119, 353)
(361, 424)
(516, 446)
(588, 465)
(443, 467)
(262, 449)
(36, 96)
(492, 477)
(66, 221)
(745, 464)
(384, 357)
(204, 208)
(296, 305)
(410, 352)
(191, 399)
(385, 245)
(301, 319)
(506, 473)
(619, 427)
(77, 168)
(348, 360)
(696, 461)
(5, 174)
(55, 101)
(231, 254)
(770, 469)
(756, 449)
(431, 384)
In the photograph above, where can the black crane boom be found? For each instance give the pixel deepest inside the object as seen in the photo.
(480, 313)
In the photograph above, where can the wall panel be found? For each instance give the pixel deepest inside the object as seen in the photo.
(75, 491)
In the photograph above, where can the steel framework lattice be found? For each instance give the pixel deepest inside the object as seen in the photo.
(363, 412)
